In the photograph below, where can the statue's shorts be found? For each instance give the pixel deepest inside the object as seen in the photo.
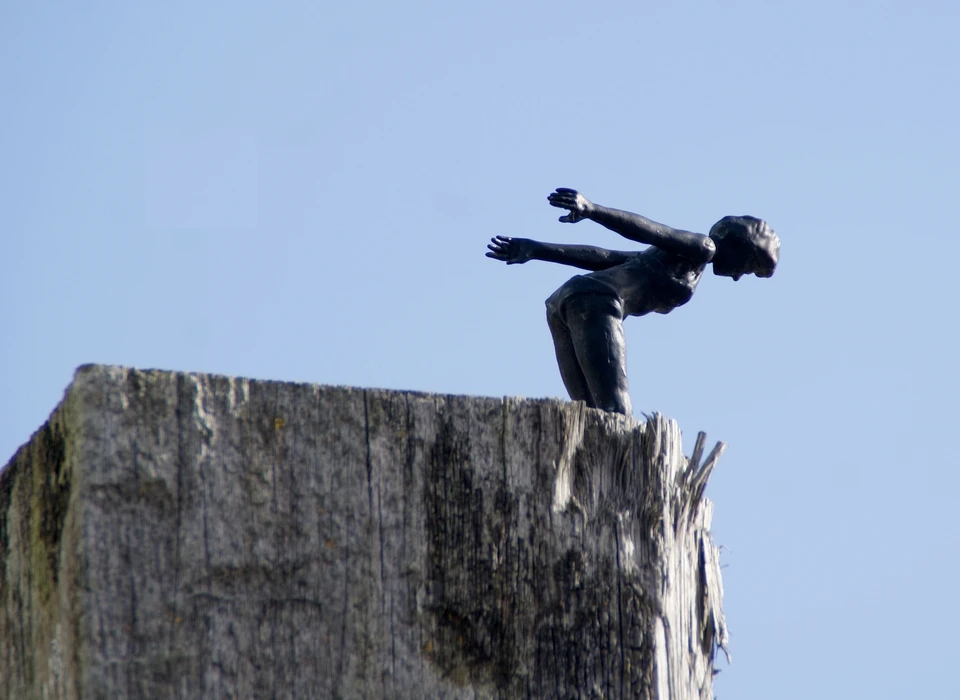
(583, 297)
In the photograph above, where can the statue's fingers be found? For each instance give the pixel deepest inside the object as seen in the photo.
(566, 190)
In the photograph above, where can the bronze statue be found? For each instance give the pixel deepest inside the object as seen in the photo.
(585, 315)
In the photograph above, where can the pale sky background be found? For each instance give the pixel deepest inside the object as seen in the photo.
(304, 191)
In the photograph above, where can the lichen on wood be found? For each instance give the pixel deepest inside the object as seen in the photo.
(170, 534)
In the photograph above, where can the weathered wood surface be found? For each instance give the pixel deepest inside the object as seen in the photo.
(177, 535)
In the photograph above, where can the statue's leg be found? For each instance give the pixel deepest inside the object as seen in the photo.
(596, 330)
(570, 371)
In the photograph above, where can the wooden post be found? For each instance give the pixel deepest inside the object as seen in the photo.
(181, 535)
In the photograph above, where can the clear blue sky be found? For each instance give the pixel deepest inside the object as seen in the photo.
(303, 191)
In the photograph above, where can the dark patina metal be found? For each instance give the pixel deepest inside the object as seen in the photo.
(585, 315)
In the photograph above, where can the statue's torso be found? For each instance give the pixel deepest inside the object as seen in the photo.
(653, 281)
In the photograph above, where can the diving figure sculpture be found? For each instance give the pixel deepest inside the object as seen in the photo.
(585, 315)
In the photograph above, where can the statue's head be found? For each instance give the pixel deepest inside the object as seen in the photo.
(745, 245)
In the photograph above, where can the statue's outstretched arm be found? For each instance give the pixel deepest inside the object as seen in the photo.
(694, 246)
(515, 251)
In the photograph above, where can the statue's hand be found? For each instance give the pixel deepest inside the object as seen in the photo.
(513, 251)
(565, 198)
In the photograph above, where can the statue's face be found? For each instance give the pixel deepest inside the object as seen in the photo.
(737, 257)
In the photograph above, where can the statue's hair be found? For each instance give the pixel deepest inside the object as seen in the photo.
(751, 232)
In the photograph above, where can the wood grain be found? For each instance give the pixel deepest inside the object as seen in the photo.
(180, 535)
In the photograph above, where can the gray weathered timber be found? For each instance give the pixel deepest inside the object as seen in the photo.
(179, 535)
